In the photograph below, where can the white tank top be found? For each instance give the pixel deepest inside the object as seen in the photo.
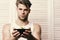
(14, 25)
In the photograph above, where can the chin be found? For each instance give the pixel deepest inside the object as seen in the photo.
(23, 19)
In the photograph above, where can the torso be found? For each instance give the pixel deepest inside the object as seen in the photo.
(28, 26)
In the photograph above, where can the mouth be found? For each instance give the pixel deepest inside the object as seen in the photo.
(23, 16)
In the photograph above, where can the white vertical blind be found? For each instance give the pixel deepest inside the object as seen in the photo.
(57, 20)
(4, 14)
(39, 14)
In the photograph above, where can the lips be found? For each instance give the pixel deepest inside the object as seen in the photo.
(22, 15)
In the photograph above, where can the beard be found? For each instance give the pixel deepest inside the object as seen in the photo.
(24, 19)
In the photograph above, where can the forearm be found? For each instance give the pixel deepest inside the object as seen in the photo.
(31, 37)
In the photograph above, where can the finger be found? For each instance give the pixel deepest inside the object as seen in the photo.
(25, 33)
(14, 31)
(21, 34)
(28, 31)
(16, 34)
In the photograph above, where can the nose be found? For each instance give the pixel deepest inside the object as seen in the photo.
(22, 11)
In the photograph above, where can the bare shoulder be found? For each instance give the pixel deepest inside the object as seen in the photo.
(5, 32)
(37, 31)
(6, 26)
(37, 26)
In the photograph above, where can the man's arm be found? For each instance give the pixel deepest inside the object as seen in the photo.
(9, 36)
(36, 34)
(5, 32)
(37, 31)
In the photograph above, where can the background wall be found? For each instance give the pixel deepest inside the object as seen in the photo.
(39, 14)
(4, 14)
(56, 19)
(43, 12)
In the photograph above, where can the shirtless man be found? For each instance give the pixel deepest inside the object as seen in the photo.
(23, 9)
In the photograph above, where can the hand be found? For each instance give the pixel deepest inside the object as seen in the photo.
(26, 34)
(15, 34)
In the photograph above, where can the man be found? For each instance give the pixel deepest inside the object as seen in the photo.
(23, 9)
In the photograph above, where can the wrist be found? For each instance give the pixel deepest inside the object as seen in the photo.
(31, 37)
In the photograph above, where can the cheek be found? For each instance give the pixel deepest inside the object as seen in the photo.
(19, 12)
(26, 12)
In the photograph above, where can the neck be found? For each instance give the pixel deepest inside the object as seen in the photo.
(21, 23)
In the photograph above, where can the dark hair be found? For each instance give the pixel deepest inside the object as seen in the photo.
(27, 3)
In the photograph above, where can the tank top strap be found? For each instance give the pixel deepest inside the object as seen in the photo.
(32, 27)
